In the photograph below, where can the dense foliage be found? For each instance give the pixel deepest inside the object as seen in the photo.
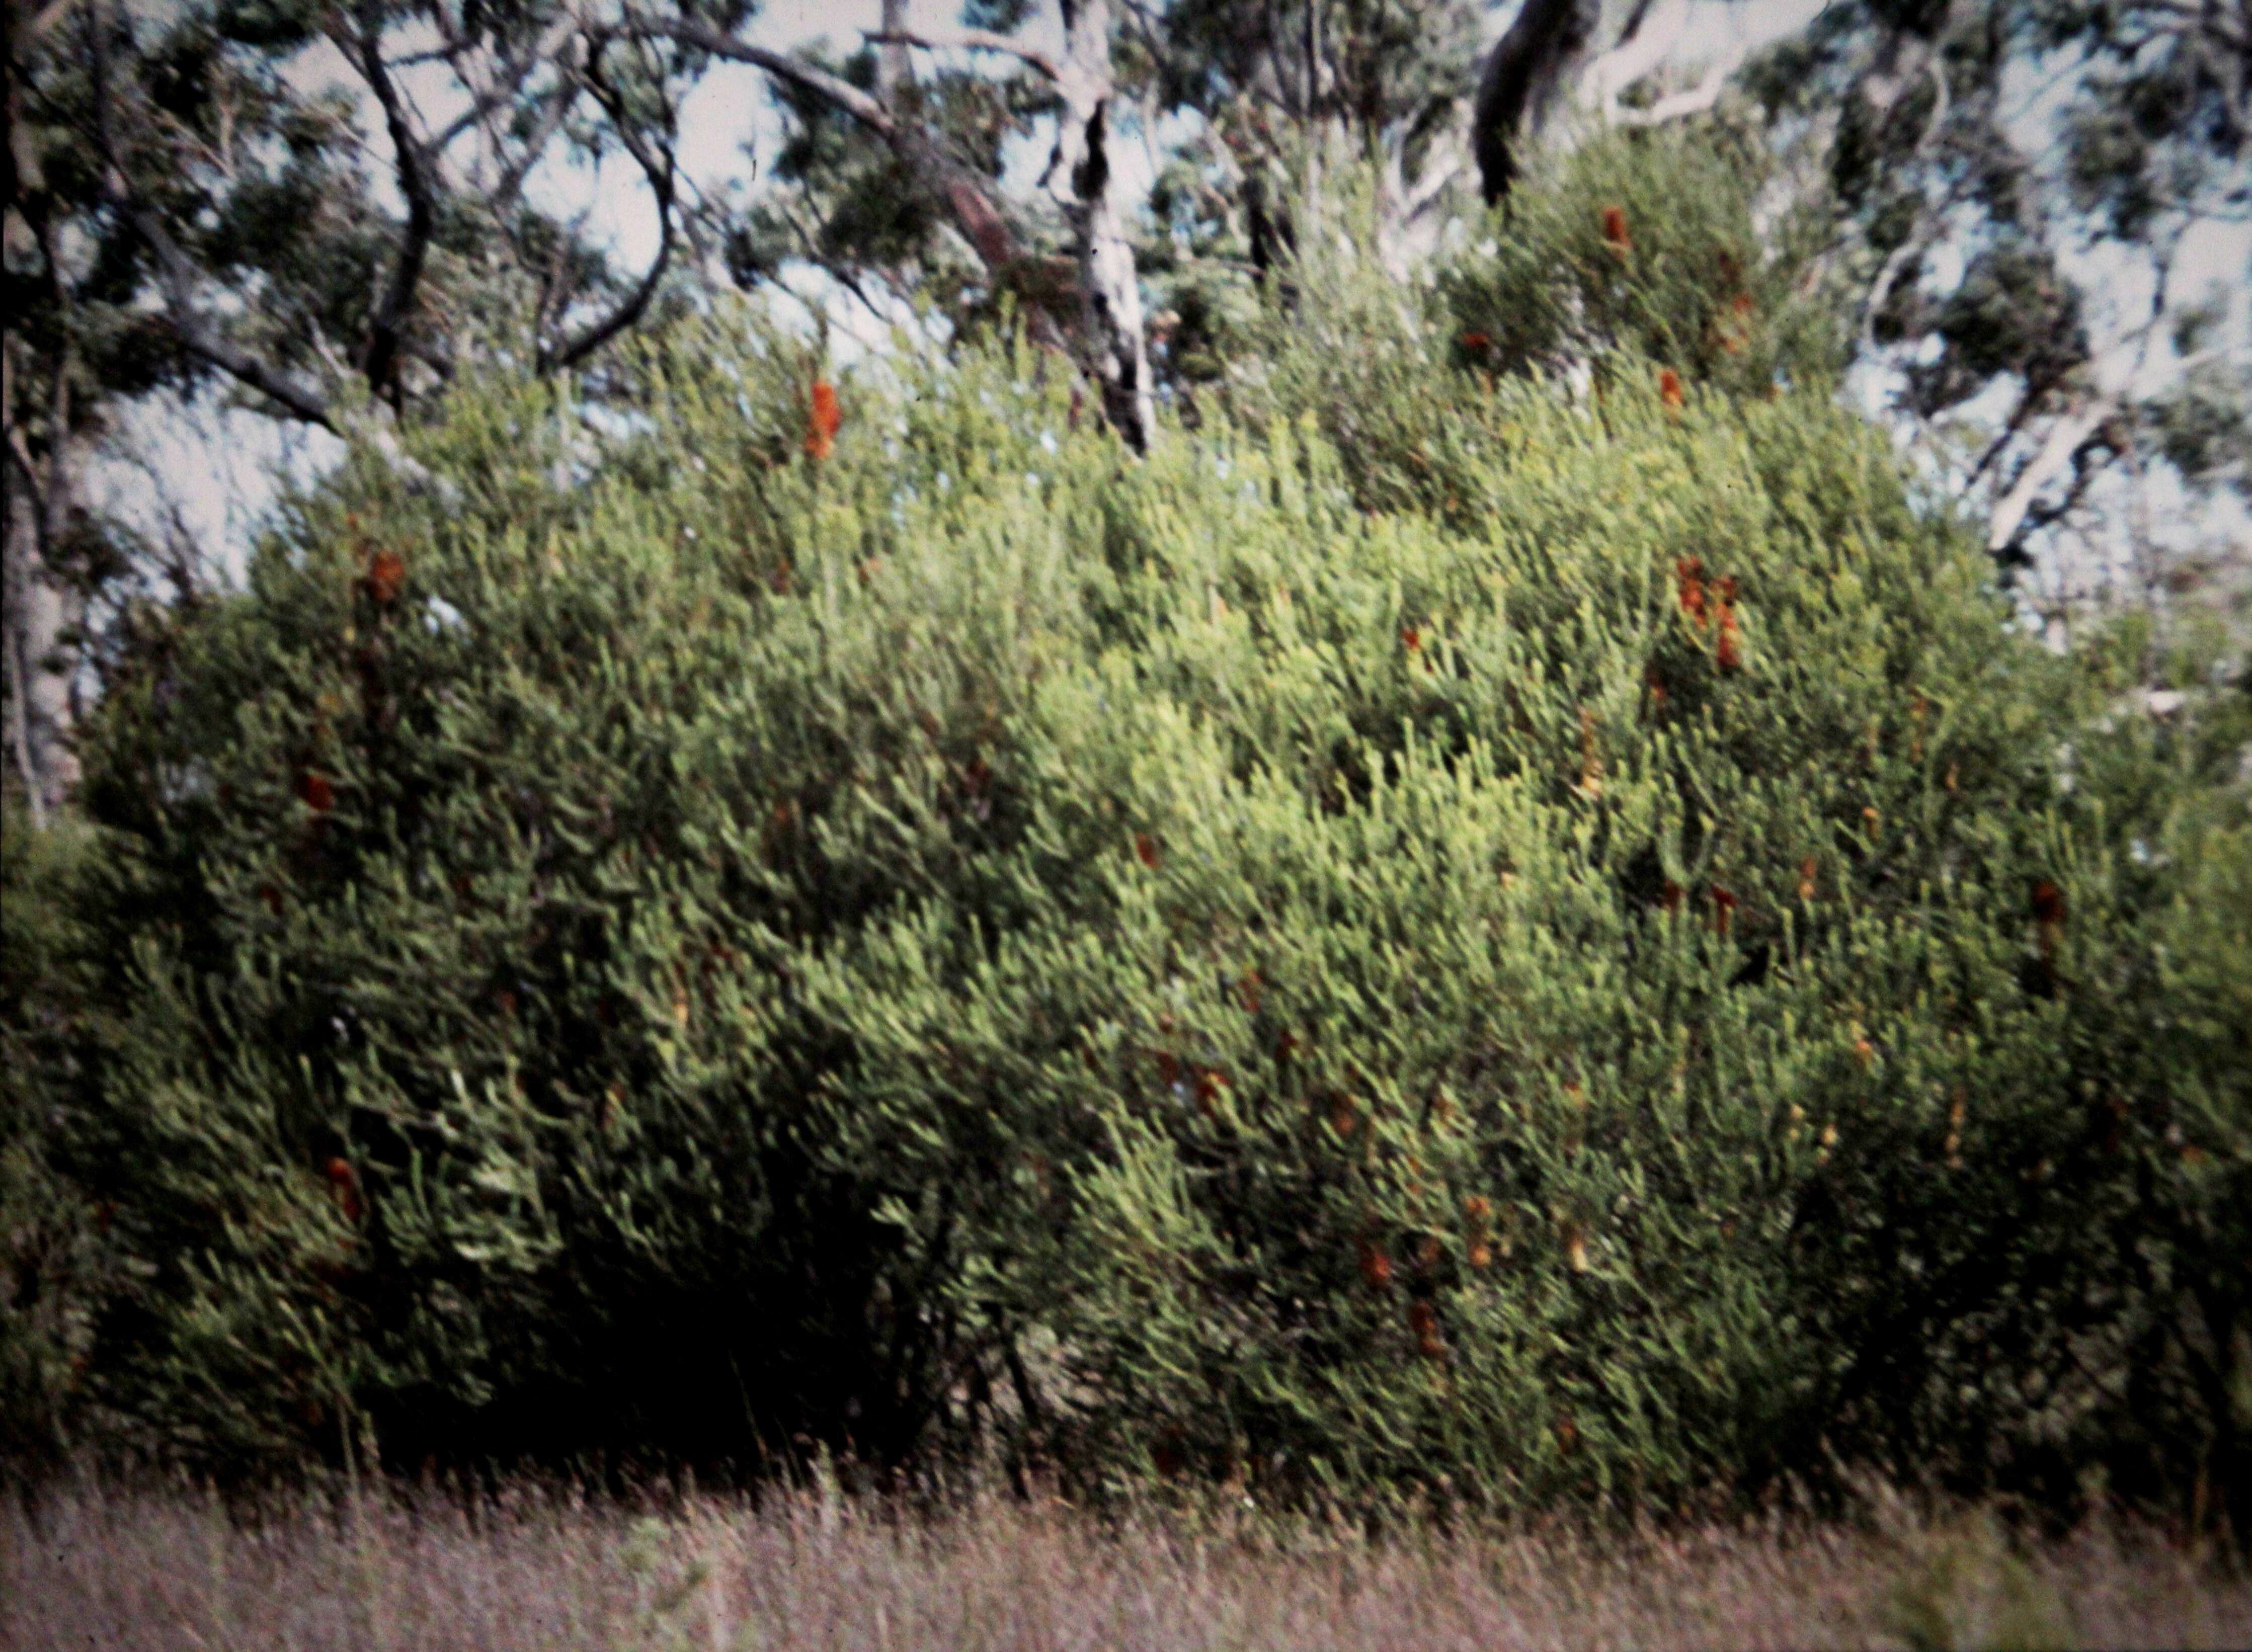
(1559, 948)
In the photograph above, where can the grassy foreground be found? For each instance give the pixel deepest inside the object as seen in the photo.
(95, 1567)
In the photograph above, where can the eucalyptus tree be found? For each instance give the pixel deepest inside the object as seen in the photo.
(921, 197)
(316, 211)
(1998, 175)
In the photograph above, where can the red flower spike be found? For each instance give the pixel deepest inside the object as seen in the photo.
(1615, 235)
(1689, 575)
(1474, 341)
(1411, 638)
(1375, 1265)
(343, 1182)
(823, 420)
(1730, 651)
(1724, 907)
(1145, 849)
(1425, 1324)
(2048, 917)
(318, 794)
(387, 572)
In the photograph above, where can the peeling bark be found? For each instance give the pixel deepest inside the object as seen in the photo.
(1110, 333)
(1101, 327)
(42, 612)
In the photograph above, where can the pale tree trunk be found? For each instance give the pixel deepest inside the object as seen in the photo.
(43, 611)
(1103, 329)
(1111, 337)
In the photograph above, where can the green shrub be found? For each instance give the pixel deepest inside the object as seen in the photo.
(1648, 249)
(1626, 980)
(54, 1266)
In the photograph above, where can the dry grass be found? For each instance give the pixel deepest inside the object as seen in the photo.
(95, 1568)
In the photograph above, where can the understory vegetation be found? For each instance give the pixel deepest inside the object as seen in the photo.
(1451, 937)
(535, 1566)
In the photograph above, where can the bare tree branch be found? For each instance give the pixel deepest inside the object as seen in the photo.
(833, 89)
(657, 166)
(967, 40)
(411, 165)
(1912, 246)
(177, 274)
(2069, 441)
(509, 82)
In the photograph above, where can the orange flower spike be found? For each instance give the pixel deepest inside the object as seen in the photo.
(823, 420)
(1375, 1265)
(1615, 235)
(1689, 575)
(1807, 868)
(343, 1182)
(387, 572)
(1425, 1324)
(1730, 651)
(1669, 387)
(1411, 638)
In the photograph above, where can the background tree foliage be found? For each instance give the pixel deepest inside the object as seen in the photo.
(321, 211)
